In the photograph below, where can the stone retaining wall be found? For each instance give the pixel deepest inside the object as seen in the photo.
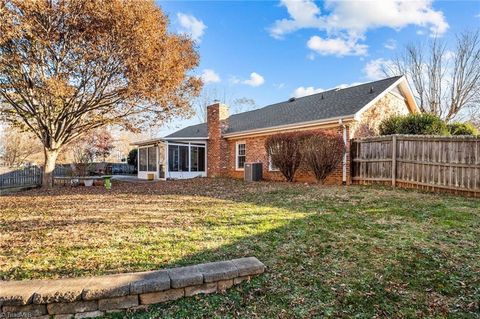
(92, 297)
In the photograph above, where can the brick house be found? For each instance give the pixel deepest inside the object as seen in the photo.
(222, 145)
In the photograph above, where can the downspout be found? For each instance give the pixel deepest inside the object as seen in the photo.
(344, 164)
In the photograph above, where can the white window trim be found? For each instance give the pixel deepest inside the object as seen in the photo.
(270, 168)
(236, 155)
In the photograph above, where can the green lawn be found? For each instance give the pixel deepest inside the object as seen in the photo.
(330, 251)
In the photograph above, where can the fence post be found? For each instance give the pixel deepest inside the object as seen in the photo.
(394, 159)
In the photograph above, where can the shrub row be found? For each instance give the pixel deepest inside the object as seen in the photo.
(319, 152)
(424, 124)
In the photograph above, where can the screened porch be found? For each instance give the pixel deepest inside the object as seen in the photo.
(165, 159)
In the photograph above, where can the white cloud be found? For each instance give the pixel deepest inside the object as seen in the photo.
(234, 80)
(279, 86)
(448, 55)
(303, 14)
(345, 85)
(350, 20)
(191, 26)
(356, 17)
(391, 44)
(336, 46)
(304, 91)
(254, 80)
(373, 70)
(210, 76)
(359, 16)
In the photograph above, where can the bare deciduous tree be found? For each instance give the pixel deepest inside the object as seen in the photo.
(210, 95)
(446, 80)
(68, 67)
(16, 147)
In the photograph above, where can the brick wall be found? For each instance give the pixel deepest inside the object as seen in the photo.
(217, 147)
(255, 152)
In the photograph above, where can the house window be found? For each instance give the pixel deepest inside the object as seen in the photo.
(178, 158)
(240, 155)
(147, 159)
(197, 159)
(271, 166)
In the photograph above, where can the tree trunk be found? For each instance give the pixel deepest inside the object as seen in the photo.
(50, 160)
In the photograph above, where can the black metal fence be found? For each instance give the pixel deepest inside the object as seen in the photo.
(23, 177)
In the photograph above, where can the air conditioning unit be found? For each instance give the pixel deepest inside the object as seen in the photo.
(253, 172)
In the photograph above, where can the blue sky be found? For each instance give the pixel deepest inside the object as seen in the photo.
(271, 50)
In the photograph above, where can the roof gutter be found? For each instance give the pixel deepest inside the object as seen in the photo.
(163, 139)
(300, 125)
(185, 138)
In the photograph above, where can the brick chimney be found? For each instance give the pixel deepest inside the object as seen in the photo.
(217, 151)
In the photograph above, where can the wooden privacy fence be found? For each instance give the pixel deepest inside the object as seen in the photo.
(428, 162)
(23, 177)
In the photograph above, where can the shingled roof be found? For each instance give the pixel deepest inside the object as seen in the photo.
(325, 105)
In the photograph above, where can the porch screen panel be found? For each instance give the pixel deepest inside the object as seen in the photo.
(178, 158)
(197, 159)
(183, 160)
(142, 159)
(194, 159)
(173, 158)
(152, 159)
(201, 159)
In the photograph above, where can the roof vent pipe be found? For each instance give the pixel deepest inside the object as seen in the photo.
(291, 99)
(371, 89)
(322, 96)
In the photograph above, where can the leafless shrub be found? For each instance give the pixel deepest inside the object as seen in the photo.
(285, 152)
(322, 152)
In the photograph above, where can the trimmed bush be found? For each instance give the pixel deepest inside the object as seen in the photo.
(285, 152)
(415, 124)
(458, 128)
(322, 153)
(390, 125)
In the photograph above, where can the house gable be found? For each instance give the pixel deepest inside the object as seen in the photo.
(396, 100)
